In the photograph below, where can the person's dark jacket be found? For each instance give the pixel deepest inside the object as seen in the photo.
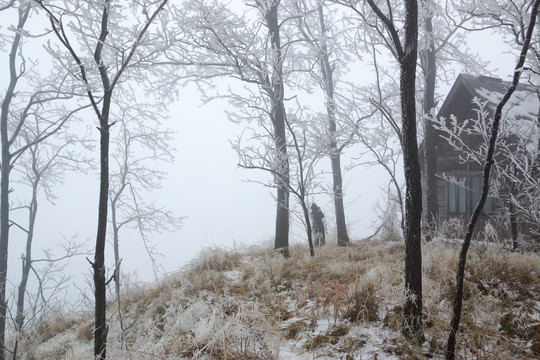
(318, 216)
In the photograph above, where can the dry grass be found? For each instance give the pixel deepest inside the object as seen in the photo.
(346, 301)
(217, 259)
(364, 305)
(56, 323)
(500, 310)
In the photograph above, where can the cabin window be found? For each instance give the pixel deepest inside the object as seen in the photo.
(451, 197)
(462, 192)
(462, 199)
(476, 188)
(457, 196)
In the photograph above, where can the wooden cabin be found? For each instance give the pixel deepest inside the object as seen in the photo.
(458, 196)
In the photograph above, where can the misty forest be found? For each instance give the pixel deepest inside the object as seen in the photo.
(318, 90)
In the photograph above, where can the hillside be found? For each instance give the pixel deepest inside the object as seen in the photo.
(342, 304)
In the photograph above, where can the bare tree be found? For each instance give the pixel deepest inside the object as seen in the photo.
(307, 147)
(379, 144)
(19, 107)
(460, 275)
(429, 70)
(324, 44)
(442, 48)
(274, 86)
(5, 169)
(42, 166)
(231, 46)
(112, 55)
(439, 49)
(139, 142)
(307, 153)
(33, 306)
(404, 51)
(376, 126)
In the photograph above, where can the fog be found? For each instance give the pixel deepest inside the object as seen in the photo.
(223, 205)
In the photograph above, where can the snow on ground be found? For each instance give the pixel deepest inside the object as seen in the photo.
(344, 303)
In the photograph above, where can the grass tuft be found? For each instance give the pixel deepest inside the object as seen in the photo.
(342, 303)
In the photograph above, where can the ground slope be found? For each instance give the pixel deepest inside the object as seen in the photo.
(345, 303)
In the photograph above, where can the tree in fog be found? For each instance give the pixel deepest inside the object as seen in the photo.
(306, 148)
(490, 155)
(374, 110)
(139, 141)
(28, 98)
(104, 44)
(381, 150)
(509, 19)
(429, 71)
(442, 48)
(306, 151)
(41, 168)
(318, 28)
(247, 48)
(403, 46)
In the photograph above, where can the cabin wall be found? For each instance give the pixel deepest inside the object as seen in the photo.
(450, 162)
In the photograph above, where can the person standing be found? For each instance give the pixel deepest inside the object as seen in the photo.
(318, 225)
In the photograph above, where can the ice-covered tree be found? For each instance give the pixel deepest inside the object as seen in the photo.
(322, 31)
(403, 44)
(139, 141)
(104, 44)
(442, 49)
(251, 48)
(490, 157)
(29, 97)
(40, 168)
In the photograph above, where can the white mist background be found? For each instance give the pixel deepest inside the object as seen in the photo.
(220, 205)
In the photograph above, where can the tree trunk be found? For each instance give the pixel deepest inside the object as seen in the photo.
(100, 326)
(27, 263)
(276, 92)
(406, 55)
(412, 322)
(4, 237)
(430, 136)
(282, 212)
(335, 153)
(342, 236)
(460, 275)
(117, 277)
(308, 228)
(116, 239)
(5, 170)
(513, 215)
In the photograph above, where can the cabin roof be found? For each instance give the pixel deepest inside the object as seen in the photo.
(520, 114)
(524, 103)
